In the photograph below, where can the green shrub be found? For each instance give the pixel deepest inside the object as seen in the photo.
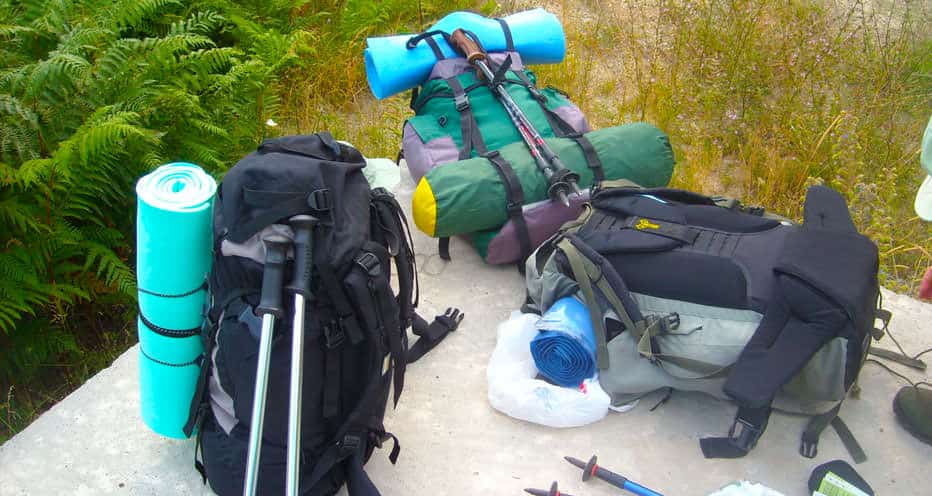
(93, 94)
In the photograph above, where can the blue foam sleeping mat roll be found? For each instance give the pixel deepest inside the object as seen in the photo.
(173, 239)
(393, 66)
(564, 348)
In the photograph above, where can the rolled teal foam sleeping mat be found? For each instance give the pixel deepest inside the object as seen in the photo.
(173, 242)
(393, 67)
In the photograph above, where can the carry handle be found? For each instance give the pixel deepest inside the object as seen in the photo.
(467, 46)
(303, 227)
(276, 253)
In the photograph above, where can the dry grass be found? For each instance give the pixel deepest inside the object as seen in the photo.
(761, 98)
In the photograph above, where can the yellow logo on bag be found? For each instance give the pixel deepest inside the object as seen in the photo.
(645, 224)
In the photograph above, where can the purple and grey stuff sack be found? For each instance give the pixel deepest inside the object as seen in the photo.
(502, 246)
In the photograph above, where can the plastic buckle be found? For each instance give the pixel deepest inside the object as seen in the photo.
(350, 443)
(514, 207)
(809, 449)
(319, 200)
(671, 322)
(461, 102)
(369, 263)
(334, 335)
(746, 437)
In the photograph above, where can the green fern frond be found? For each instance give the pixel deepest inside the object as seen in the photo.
(137, 14)
(110, 268)
(205, 23)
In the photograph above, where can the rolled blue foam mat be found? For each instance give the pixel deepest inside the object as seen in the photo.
(174, 236)
(392, 67)
(564, 348)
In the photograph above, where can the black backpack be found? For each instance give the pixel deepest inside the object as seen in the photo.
(355, 325)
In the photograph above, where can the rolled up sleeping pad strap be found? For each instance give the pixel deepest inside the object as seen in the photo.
(393, 65)
(174, 240)
(468, 195)
(564, 349)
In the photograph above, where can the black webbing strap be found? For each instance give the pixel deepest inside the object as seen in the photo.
(346, 315)
(809, 447)
(592, 158)
(430, 335)
(428, 36)
(432, 43)
(468, 126)
(443, 247)
(747, 428)
(509, 40)
(679, 232)
(332, 380)
(514, 198)
(276, 205)
(560, 127)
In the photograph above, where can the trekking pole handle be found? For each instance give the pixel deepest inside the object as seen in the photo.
(467, 46)
(273, 275)
(303, 227)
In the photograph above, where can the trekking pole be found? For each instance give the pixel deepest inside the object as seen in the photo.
(593, 469)
(300, 285)
(561, 180)
(270, 308)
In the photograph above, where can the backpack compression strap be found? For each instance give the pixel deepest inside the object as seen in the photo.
(514, 198)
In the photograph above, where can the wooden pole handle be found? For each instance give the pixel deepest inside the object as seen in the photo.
(467, 46)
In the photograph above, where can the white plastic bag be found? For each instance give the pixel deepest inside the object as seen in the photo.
(514, 391)
(745, 488)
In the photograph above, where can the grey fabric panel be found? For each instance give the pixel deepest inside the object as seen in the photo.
(574, 117)
(543, 220)
(709, 334)
(422, 157)
(823, 377)
(547, 285)
(448, 68)
(253, 248)
(221, 403)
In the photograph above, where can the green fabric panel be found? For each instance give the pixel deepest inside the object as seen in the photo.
(439, 117)
(481, 240)
(470, 196)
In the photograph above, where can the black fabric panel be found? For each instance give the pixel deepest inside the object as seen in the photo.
(797, 324)
(639, 206)
(723, 219)
(680, 275)
(670, 194)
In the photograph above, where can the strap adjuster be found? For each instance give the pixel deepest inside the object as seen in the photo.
(745, 437)
(461, 102)
(350, 443)
(334, 335)
(319, 200)
(369, 263)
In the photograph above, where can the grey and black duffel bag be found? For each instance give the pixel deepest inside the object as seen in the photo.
(694, 293)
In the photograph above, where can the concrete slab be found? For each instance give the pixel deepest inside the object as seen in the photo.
(94, 442)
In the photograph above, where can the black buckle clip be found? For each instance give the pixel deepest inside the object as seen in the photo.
(746, 437)
(333, 335)
(369, 263)
(462, 102)
(350, 443)
(809, 449)
(319, 200)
